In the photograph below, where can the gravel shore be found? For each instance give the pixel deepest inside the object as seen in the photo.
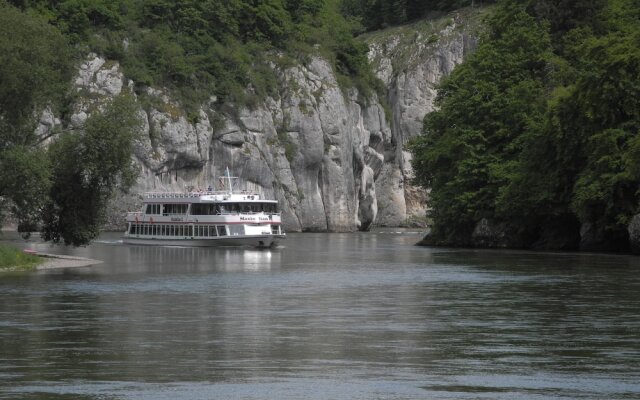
(53, 261)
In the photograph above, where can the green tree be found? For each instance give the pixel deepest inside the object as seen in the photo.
(35, 71)
(25, 182)
(87, 169)
(470, 144)
(378, 14)
(68, 183)
(548, 143)
(607, 100)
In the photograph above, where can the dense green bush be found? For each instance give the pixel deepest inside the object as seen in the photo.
(61, 188)
(539, 129)
(200, 48)
(378, 14)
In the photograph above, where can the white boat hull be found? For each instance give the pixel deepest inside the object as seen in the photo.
(246, 240)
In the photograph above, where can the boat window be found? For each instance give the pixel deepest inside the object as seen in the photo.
(222, 230)
(203, 209)
(252, 207)
(174, 209)
(153, 209)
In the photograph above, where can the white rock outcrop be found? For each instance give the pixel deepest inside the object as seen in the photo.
(411, 61)
(333, 162)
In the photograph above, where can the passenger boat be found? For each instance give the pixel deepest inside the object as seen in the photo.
(223, 217)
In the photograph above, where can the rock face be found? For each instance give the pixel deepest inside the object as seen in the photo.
(595, 237)
(333, 161)
(411, 61)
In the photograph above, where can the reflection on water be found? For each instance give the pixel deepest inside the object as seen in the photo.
(328, 316)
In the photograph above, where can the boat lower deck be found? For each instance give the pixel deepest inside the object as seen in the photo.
(245, 240)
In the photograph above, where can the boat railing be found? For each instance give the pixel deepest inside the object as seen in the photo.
(187, 195)
(226, 212)
(179, 195)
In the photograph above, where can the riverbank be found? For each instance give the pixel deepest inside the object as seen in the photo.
(55, 261)
(14, 259)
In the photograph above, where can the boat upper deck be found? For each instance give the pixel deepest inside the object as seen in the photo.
(203, 197)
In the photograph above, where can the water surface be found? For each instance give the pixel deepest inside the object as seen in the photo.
(327, 316)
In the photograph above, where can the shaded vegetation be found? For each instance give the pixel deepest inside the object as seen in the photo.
(66, 182)
(539, 128)
(378, 14)
(204, 48)
(82, 184)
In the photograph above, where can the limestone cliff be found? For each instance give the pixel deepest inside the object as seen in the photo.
(411, 61)
(333, 161)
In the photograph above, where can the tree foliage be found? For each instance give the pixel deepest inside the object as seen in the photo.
(87, 168)
(25, 180)
(378, 14)
(35, 70)
(200, 48)
(65, 185)
(539, 128)
(487, 103)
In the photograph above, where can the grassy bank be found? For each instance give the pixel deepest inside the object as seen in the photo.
(14, 259)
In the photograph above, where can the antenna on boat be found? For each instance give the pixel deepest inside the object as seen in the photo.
(225, 182)
(229, 181)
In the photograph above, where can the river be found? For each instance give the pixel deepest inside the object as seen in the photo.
(326, 316)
